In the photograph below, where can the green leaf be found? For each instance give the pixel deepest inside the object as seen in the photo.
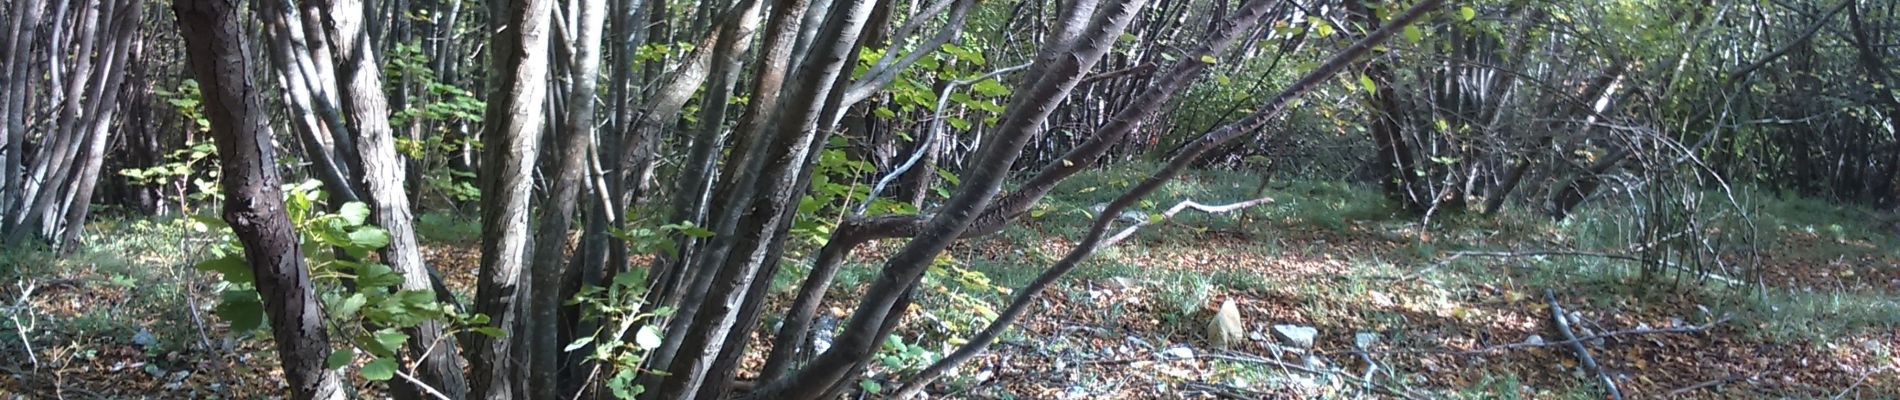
(242, 309)
(390, 340)
(578, 344)
(338, 358)
(648, 338)
(369, 238)
(990, 87)
(354, 212)
(350, 305)
(870, 386)
(380, 370)
(231, 266)
(1412, 34)
(490, 331)
(1208, 58)
(1366, 82)
(1466, 13)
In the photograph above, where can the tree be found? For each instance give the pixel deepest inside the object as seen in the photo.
(219, 56)
(511, 134)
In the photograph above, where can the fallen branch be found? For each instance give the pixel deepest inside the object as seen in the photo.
(1858, 382)
(1178, 207)
(24, 303)
(1713, 382)
(1583, 354)
(1219, 390)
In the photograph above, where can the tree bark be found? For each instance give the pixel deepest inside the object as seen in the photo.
(542, 341)
(511, 133)
(220, 58)
(380, 176)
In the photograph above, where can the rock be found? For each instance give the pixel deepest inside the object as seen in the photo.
(1534, 340)
(1122, 283)
(1226, 330)
(1365, 340)
(144, 338)
(1179, 352)
(1299, 336)
(1256, 336)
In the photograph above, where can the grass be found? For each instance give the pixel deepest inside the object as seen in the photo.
(126, 278)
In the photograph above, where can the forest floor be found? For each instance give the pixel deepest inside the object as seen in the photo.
(1460, 310)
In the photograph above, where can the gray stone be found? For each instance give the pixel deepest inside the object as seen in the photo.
(1179, 352)
(1365, 340)
(1534, 340)
(1300, 336)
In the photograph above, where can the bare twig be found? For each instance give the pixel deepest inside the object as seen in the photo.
(26, 292)
(1583, 354)
(1858, 382)
(1222, 391)
(927, 143)
(425, 386)
(1713, 382)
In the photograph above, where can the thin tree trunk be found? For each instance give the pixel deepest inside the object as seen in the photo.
(511, 134)
(220, 57)
(381, 177)
(557, 216)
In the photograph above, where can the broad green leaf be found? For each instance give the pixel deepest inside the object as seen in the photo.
(870, 386)
(242, 309)
(578, 344)
(380, 370)
(369, 238)
(338, 358)
(1206, 58)
(355, 213)
(990, 87)
(1412, 34)
(231, 266)
(390, 340)
(490, 331)
(1366, 82)
(1467, 13)
(648, 338)
(350, 305)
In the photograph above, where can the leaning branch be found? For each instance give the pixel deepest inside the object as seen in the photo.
(1583, 354)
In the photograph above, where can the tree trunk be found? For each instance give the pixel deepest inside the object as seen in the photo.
(380, 176)
(511, 133)
(220, 58)
(542, 341)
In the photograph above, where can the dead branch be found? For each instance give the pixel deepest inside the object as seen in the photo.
(1583, 354)
(1178, 207)
(1222, 391)
(1713, 382)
